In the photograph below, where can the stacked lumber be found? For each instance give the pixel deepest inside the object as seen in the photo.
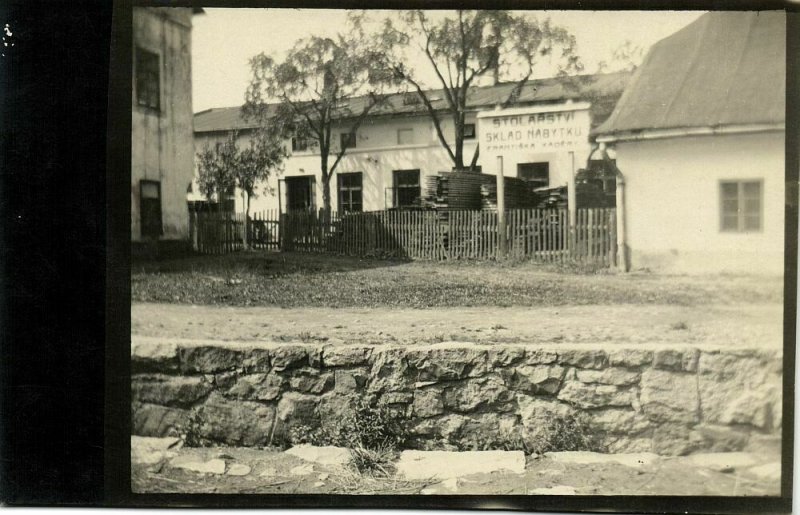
(518, 193)
(550, 198)
(453, 190)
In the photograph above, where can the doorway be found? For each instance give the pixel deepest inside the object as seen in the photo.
(300, 193)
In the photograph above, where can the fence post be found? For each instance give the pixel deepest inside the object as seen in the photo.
(622, 251)
(502, 243)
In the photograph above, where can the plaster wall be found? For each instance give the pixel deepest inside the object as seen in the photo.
(673, 202)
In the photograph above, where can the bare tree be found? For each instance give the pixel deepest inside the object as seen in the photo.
(465, 46)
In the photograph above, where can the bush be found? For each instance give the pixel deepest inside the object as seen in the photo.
(373, 433)
(565, 433)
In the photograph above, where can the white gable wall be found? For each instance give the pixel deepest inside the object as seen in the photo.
(673, 202)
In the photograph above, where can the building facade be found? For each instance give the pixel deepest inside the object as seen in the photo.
(397, 148)
(162, 147)
(699, 136)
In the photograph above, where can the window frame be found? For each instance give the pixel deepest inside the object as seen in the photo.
(347, 137)
(397, 187)
(297, 146)
(345, 193)
(741, 224)
(145, 228)
(139, 78)
(472, 133)
(534, 180)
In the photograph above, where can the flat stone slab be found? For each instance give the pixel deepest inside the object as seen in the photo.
(149, 450)
(723, 461)
(215, 466)
(238, 469)
(637, 459)
(324, 455)
(446, 464)
(768, 471)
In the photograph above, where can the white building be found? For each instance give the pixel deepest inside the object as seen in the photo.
(699, 137)
(397, 146)
(162, 149)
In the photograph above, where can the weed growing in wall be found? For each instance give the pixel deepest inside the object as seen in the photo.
(570, 432)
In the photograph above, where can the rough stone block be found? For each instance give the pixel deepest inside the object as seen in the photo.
(543, 379)
(169, 390)
(289, 356)
(619, 421)
(716, 438)
(446, 362)
(595, 395)
(256, 360)
(346, 355)
(583, 358)
(484, 393)
(668, 359)
(334, 406)
(669, 396)
(540, 357)
(260, 387)
(208, 359)
(630, 358)
(234, 422)
(155, 356)
(348, 381)
(155, 420)
(613, 375)
(673, 439)
(396, 398)
(324, 455)
(311, 380)
(505, 356)
(390, 371)
(427, 403)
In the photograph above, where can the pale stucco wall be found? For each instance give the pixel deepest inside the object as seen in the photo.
(162, 147)
(673, 202)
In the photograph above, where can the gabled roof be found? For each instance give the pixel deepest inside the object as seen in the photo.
(601, 86)
(725, 68)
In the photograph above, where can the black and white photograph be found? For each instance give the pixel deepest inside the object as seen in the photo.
(458, 252)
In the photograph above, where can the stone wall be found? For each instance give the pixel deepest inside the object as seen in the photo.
(665, 399)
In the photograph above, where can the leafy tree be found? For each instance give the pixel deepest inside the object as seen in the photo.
(466, 46)
(626, 57)
(231, 165)
(321, 84)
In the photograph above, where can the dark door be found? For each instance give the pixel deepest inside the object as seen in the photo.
(300, 193)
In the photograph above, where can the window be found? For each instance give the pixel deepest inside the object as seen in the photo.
(299, 144)
(469, 131)
(405, 136)
(150, 208)
(350, 192)
(148, 89)
(347, 140)
(741, 206)
(406, 188)
(410, 99)
(535, 174)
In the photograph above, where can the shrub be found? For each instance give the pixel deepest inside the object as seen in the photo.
(373, 433)
(565, 433)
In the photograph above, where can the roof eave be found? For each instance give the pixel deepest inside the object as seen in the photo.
(679, 132)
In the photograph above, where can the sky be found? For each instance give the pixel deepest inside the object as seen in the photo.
(223, 40)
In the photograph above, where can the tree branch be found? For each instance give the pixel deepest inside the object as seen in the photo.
(514, 93)
(353, 130)
(436, 124)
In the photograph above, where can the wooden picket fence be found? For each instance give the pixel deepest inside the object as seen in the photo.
(220, 233)
(541, 235)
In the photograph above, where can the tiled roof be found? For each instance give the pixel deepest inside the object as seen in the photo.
(726, 68)
(601, 86)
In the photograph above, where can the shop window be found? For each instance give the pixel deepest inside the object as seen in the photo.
(469, 131)
(150, 208)
(741, 206)
(536, 174)
(347, 140)
(148, 89)
(405, 136)
(350, 192)
(406, 188)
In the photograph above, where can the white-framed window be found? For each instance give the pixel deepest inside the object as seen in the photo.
(299, 144)
(405, 136)
(347, 140)
(741, 205)
(350, 192)
(148, 79)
